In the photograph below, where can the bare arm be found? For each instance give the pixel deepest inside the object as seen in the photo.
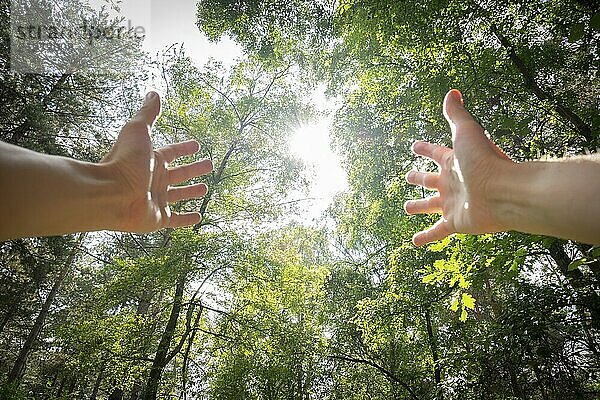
(48, 195)
(480, 190)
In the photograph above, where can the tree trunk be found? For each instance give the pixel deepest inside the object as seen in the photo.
(61, 387)
(186, 355)
(71, 388)
(142, 309)
(18, 368)
(437, 370)
(589, 297)
(6, 317)
(161, 359)
(98, 382)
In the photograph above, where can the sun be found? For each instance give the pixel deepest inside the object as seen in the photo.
(311, 143)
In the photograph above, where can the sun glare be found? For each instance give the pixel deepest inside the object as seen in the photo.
(311, 143)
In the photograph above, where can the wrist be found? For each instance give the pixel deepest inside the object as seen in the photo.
(104, 196)
(515, 195)
(506, 203)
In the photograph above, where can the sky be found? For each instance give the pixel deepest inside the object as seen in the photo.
(174, 21)
(311, 143)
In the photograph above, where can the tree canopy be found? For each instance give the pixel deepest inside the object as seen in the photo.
(254, 304)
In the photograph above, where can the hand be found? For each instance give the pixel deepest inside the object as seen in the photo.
(144, 176)
(464, 178)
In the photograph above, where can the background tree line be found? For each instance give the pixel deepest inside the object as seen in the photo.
(249, 305)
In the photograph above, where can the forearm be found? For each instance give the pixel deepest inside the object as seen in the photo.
(47, 195)
(557, 198)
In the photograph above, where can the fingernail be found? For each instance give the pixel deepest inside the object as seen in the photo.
(414, 240)
(412, 147)
(408, 175)
(150, 96)
(457, 96)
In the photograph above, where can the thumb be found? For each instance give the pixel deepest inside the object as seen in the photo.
(150, 109)
(457, 116)
(454, 110)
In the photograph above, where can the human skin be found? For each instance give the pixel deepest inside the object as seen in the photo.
(44, 195)
(481, 190)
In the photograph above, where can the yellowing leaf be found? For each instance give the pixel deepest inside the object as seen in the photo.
(463, 283)
(463, 315)
(439, 246)
(453, 280)
(454, 306)
(439, 264)
(468, 301)
(429, 278)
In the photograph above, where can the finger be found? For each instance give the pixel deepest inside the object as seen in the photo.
(185, 219)
(437, 232)
(454, 109)
(189, 171)
(424, 206)
(457, 115)
(186, 192)
(428, 180)
(173, 151)
(150, 110)
(430, 150)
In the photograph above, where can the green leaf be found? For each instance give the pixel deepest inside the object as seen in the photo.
(576, 263)
(514, 266)
(595, 22)
(521, 252)
(577, 32)
(595, 252)
(468, 301)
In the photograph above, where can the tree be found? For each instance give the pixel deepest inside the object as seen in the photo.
(63, 113)
(269, 340)
(522, 67)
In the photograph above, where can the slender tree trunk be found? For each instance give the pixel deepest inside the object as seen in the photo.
(117, 394)
(72, 385)
(61, 387)
(186, 355)
(6, 317)
(514, 382)
(142, 309)
(590, 299)
(98, 382)
(18, 368)
(437, 369)
(161, 358)
(48, 393)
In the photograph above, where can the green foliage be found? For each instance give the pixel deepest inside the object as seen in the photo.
(245, 305)
(12, 391)
(272, 341)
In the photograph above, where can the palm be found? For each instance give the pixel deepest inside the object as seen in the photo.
(464, 175)
(146, 178)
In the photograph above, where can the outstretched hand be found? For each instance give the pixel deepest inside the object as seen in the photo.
(145, 176)
(465, 173)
